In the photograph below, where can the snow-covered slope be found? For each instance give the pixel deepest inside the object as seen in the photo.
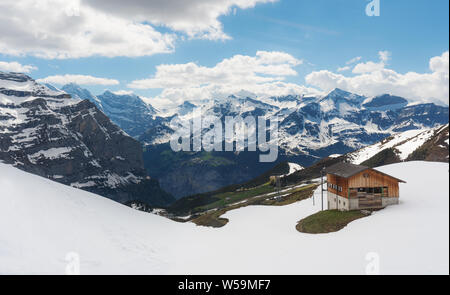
(43, 223)
(403, 144)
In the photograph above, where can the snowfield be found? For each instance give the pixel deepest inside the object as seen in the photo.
(43, 222)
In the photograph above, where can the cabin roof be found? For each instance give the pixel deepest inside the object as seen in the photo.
(347, 170)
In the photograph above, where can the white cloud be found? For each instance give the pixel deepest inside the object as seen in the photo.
(78, 79)
(384, 56)
(57, 29)
(422, 87)
(440, 64)
(353, 60)
(196, 18)
(16, 67)
(239, 70)
(368, 67)
(262, 74)
(63, 29)
(371, 66)
(343, 69)
(123, 92)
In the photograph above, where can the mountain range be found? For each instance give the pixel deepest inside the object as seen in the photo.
(48, 132)
(310, 128)
(109, 142)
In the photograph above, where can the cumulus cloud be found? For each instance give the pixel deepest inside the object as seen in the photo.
(262, 74)
(16, 67)
(440, 64)
(58, 29)
(78, 79)
(68, 29)
(196, 18)
(371, 66)
(374, 80)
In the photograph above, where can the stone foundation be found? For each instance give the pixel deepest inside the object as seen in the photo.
(336, 202)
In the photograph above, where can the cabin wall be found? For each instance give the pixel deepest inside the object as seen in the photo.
(339, 181)
(336, 202)
(371, 178)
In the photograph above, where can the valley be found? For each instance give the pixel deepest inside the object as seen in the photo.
(310, 128)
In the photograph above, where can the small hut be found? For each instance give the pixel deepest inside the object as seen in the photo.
(355, 187)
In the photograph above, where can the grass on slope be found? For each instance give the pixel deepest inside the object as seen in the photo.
(385, 157)
(233, 197)
(196, 203)
(213, 218)
(327, 221)
(295, 195)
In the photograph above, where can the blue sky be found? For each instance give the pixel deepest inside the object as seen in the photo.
(323, 34)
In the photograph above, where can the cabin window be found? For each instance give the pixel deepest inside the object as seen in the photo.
(371, 190)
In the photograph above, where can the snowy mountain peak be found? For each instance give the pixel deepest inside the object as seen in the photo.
(15, 77)
(17, 88)
(339, 95)
(77, 91)
(185, 108)
(339, 92)
(125, 103)
(128, 111)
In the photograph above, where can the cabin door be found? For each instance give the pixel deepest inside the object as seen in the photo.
(370, 198)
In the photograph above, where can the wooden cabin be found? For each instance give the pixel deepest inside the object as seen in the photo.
(355, 187)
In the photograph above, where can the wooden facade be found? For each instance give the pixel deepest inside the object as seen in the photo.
(361, 187)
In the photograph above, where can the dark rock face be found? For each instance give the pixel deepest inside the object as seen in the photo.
(386, 101)
(70, 141)
(128, 111)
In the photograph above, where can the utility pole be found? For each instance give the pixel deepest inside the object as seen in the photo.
(278, 184)
(321, 184)
(313, 197)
